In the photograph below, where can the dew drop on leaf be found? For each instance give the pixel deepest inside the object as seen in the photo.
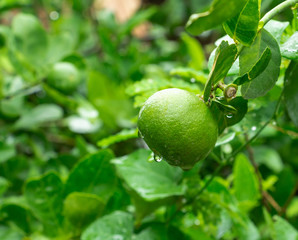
(157, 158)
(229, 115)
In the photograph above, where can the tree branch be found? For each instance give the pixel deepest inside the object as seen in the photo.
(266, 197)
(274, 11)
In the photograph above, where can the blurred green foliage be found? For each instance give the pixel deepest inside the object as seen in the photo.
(71, 163)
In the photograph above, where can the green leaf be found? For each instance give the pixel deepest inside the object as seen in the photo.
(195, 50)
(118, 225)
(83, 125)
(224, 58)
(247, 230)
(244, 27)
(10, 234)
(82, 208)
(245, 178)
(4, 184)
(145, 88)
(124, 135)
(224, 106)
(31, 38)
(250, 55)
(153, 232)
(269, 157)
(284, 186)
(93, 174)
(219, 12)
(151, 180)
(110, 99)
(17, 215)
(7, 151)
(257, 69)
(276, 28)
(225, 139)
(189, 73)
(225, 224)
(234, 70)
(42, 113)
(289, 49)
(59, 97)
(44, 196)
(292, 210)
(291, 89)
(60, 46)
(226, 117)
(283, 230)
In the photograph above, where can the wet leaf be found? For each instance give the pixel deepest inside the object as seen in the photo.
(265, 81)
(219, 12)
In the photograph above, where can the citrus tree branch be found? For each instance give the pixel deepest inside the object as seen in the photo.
(274, 11)
(266, 197)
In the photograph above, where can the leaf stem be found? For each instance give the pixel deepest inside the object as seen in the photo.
(221, 86)
(274, 11)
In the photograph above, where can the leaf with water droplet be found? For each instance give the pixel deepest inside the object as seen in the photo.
(115, 226)
(225, 107)
(290, 48)
(46, 206)
(225, 116)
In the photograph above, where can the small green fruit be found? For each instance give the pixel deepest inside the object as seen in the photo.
(64, 76)
(178, 127)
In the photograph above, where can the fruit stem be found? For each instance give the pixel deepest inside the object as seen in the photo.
(230, 91)
(274, 11)
(221, 86)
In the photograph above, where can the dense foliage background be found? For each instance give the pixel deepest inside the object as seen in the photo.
(71, 163)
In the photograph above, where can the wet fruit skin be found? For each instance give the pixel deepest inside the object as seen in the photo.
(64, 76)
(178, 127)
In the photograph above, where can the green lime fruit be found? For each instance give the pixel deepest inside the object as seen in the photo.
(64, 76)
(178, 126)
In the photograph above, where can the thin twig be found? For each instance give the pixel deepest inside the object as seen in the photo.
(254, 164)
(266, 197)
(272, 202)
(292, 195)
(284, 131)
